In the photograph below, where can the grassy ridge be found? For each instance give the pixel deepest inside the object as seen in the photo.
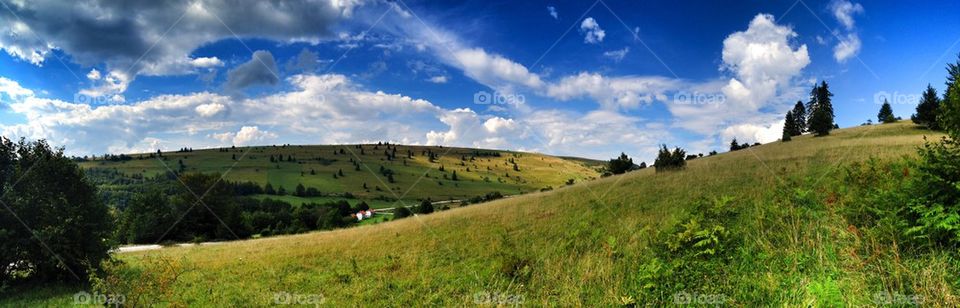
(600, 243)
(416, 177)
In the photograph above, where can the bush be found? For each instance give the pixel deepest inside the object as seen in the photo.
(620, 164)
(667, 160)
(401, 212)
(53, 226)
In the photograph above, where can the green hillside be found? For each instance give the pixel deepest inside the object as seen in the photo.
(783, 228)
(337, 169)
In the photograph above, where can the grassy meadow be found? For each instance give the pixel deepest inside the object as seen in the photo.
(786, 236)
(416, 177)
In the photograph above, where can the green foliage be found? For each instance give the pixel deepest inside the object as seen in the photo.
(691, 251)
(928, 109)
(934, 212)
(886, 113)
(620, 164)
(949, 117)
(820, 110)
(667, 160)
(789, 127)
(425, 207)
(53, 226)
(401, 212)
(799, 119)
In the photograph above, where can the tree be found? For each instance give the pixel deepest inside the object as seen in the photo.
(820, 110)
(667, 160)
(953, 74)
(734, 145)
(454, 176)
(620, 164)
(886, 113)
(425, 207)
(301, 191)
(928, 109)
(53, 225)
(790, 126)
(799, 118)
(401, 212)
(949, 117)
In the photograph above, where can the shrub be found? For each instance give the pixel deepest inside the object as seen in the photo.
(667, 160)
(620, 164)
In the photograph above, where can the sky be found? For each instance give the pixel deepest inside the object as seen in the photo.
(576, 78)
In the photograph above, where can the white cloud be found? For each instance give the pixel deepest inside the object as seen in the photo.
(208, 110)
(617, 55)
(438, 79)
(844, 10)
(553, 12)
(251, 134)
(12, 89)
(495, 70)
(613, 92)
(592, 32)
(752, 133)
(848, 45)
(846, 48)
(767, 71)
(206, 62)
(94, 74)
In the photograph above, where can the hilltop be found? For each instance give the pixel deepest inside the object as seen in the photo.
(782, 229)
(380, 174)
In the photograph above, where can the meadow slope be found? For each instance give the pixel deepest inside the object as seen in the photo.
(360, 170)
(595, 243)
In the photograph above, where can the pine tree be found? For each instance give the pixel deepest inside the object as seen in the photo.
(886, 113)
(953, 74)
(928, 109)
(789, 127)
(799, 119)
(820, 110)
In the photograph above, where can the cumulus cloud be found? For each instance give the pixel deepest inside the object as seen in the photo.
(206, 62)
(626, 92)
(766, 70)
(438, 79)
(617, 55)
(12, 89)
(158, 39)
(260, 70)
(752, 133)
(246, 136)
(592, 34)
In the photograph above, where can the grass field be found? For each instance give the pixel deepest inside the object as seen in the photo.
(598, 243)
(416, 176)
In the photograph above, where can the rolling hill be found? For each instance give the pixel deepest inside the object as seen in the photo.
(781, 234)
(377, 173)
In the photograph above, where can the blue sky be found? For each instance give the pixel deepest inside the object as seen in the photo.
(577, 78)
